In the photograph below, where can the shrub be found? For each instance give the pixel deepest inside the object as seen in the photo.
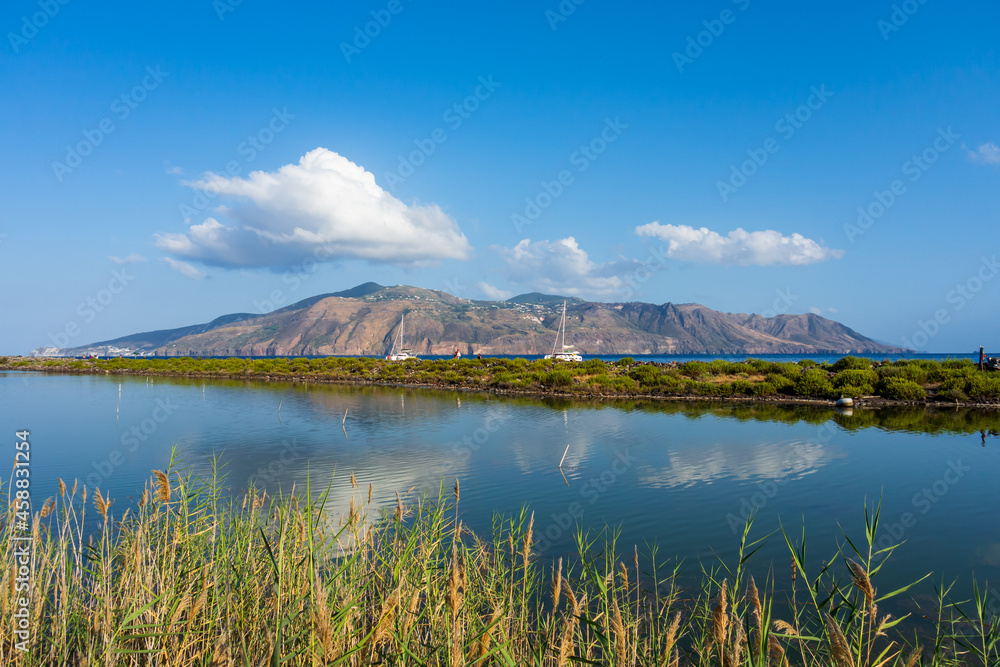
(852, 363)
(952, 395)
(781, 383)
(601, 381)
(695, 369)
(669, 382)
(557, 379)
(763, 389)
(813, 382)
(4, 361)
(855, 391)
(900, 389)
(624, 384)
(855, 378)
(984, 387)
(645, 375)
(718, 367)
(625, 361)
(742, 387)
(593, 367)
(740, 369)
(807, 363)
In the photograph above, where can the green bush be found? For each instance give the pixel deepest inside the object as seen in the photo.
(645, 375)
(981, 386)
(952, 395)
(718, 367)
(695, 369)
(593, 367)
(601, 381)
(851, 363)
(855, 378)
(763, 389)
(854, 391)
(557, 379)
(625, 362)
(781, 383)
(742, 387)
(813, 382)
(807, 363)
(900, 389)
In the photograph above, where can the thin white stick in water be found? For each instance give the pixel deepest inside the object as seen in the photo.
(279, 404)
(344, 420)
(564, 456)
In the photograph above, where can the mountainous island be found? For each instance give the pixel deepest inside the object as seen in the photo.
(365, 320)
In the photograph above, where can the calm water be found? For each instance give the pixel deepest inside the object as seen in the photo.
(676, 474)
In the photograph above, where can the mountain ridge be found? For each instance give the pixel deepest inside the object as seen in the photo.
(364, 320)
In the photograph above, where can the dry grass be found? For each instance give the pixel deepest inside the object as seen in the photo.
(192, 578)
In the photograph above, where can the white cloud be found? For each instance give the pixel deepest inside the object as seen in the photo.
(494, 293)
(325, 207)
(738, 247)
(815, 310)
(988, 153)
(173, 170)
(134, 258)
(562, 266)
(185, 269)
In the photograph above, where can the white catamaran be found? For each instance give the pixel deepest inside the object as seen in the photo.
(567, 353)
(403, 354)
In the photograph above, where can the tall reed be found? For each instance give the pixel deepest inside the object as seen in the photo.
(193, 576)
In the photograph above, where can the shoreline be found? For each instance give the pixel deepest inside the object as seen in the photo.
(42, 365)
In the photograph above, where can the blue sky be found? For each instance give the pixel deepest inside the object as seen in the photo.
(166, 165)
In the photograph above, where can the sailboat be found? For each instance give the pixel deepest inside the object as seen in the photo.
(568, 353)
(403, 354)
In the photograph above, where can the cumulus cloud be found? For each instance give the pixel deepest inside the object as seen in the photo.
(563, 266)
(134, 258)
(494, 293)
(325, 207)
(185, 269)
(816, 310)
(988, 153)
(738, 247)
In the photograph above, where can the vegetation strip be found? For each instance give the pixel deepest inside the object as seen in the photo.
(912, 381)
(190, 575)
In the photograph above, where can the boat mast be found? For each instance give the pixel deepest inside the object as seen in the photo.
(564, 327)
